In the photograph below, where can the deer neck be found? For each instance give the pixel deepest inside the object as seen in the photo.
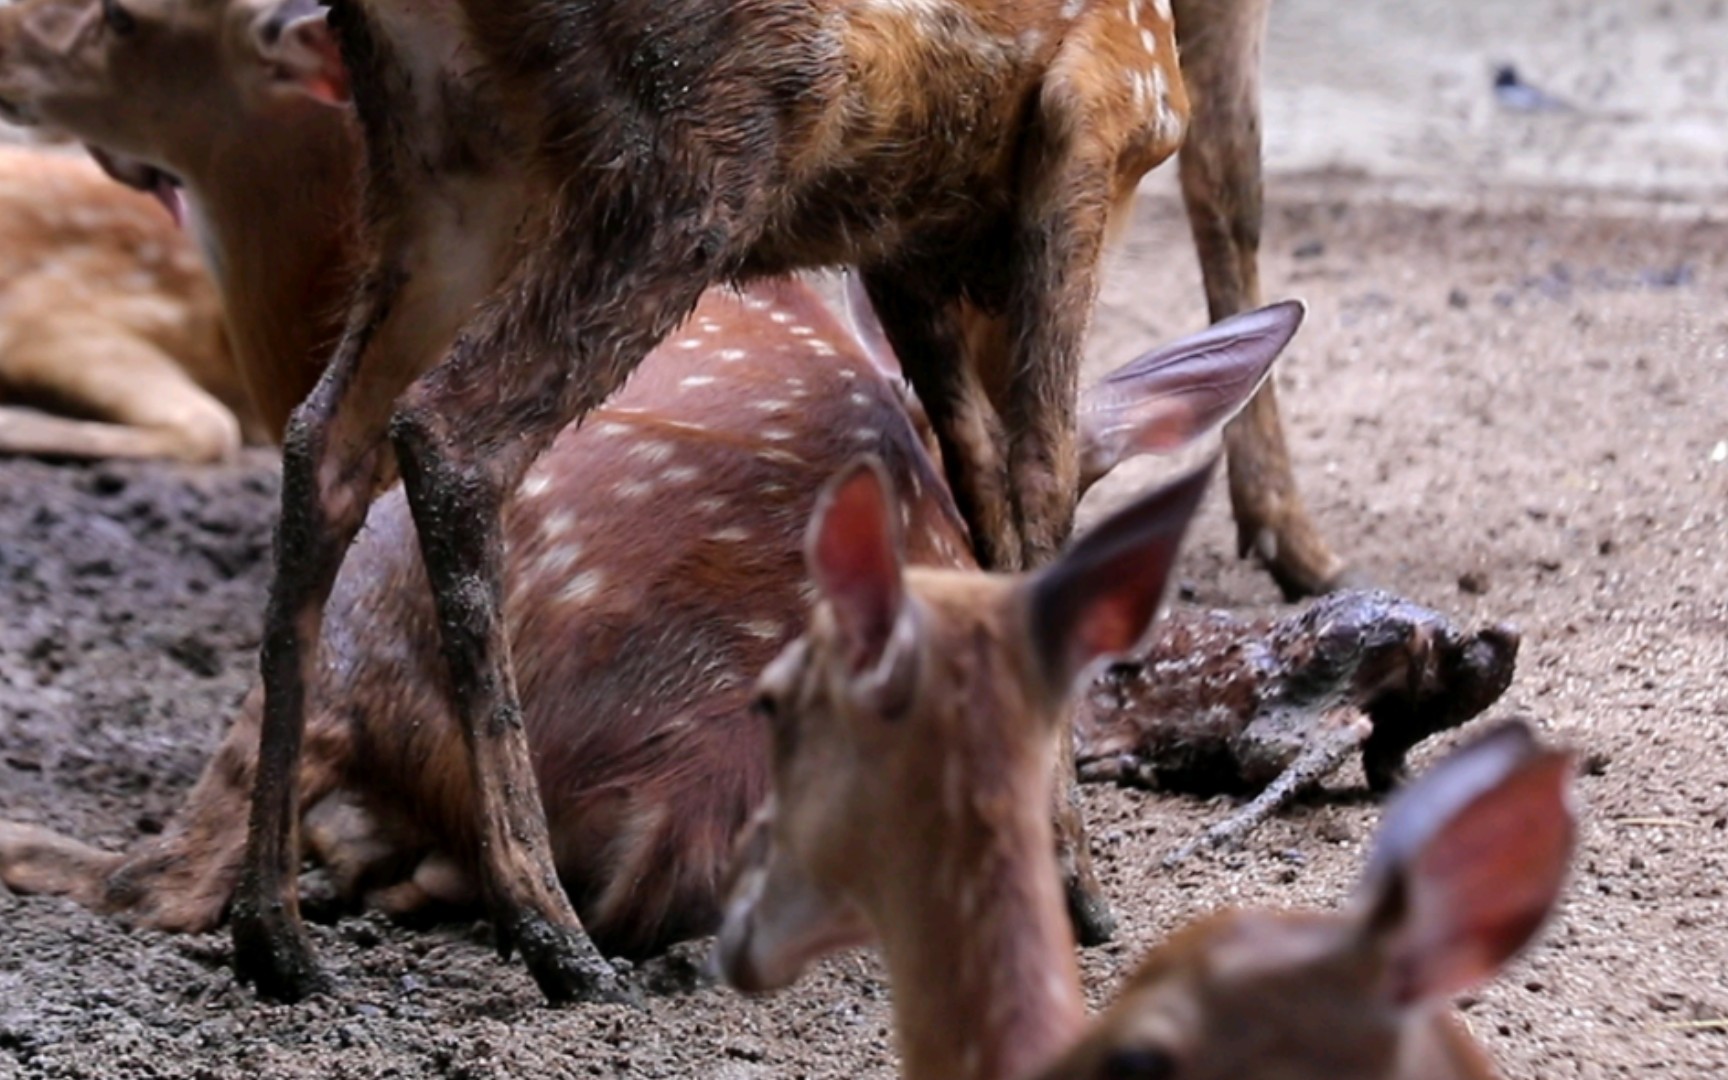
(278, 234)
(984, 980)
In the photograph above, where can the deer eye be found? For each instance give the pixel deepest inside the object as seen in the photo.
(119, 20)
(1139, 1063)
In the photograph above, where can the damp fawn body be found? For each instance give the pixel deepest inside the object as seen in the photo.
(111, 335)
(914, 723)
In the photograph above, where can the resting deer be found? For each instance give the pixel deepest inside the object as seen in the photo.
(111, 336)
(728, 432)
(914, 723)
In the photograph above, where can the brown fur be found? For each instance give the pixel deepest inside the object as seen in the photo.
(591, 170)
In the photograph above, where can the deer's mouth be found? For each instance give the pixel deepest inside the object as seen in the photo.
(159, 183)
(16, 112)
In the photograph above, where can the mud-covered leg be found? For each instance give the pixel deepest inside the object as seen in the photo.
(1330, 747)
(1220, 167)
(465, 433)
(333, 458)
(929, 340)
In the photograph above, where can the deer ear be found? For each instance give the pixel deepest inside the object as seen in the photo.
(1098, 599)
(1173, 395)
(866, 326)
(1469, 863)
(854, 555)
(296, 42)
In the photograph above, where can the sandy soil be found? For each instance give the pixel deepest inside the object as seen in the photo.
(1511, 417)
(1510, 401)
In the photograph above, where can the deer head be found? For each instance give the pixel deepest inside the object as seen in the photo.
(72, 64)
(915, 728)
(1469, 862)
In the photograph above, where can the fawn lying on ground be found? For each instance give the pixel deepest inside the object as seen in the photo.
(111, 337)
(914, 723)
(728, 433)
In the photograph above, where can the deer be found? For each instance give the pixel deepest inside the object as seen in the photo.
(287, 58)
(112, 343)
(914, 722)
(728, 430)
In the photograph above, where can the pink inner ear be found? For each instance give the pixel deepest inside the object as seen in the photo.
(855, 560)
(1483, 886)
(326, 79)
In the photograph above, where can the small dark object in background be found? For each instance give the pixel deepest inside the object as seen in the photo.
(1513, 93)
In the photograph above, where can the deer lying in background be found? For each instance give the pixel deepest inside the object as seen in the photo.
(914, 724)
(111, 336)
(654, 569)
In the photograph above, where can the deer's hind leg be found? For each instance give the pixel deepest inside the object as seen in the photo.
(569, 326)
(1220, 166)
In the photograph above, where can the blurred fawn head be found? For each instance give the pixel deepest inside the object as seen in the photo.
(213, 70)
(915, 728)
(1469, 862)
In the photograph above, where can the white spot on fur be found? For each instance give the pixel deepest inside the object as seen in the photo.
(680, 474)
(858, 398)
(633, 489)
(582, 588)
(1162, 7)
(691, 382)
(756, 303)
(866, 434)
(820, 347)
(1071, 9)
(557, 525)
(731, 356)
(773, 434)
(780, 317)
(691, 343)
(847, 373)
(771, 490)
(732, 534)
(709, 326)
(771, 405)
(609, 429)
(800, 331)
(764, 629)
(1149, 40)
(779, 456)
(537, 484)
(651, 451)
(558, 562)
(713, 504)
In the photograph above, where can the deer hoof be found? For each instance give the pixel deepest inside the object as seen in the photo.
(1094, 924)
(566, 965)
(275, 957)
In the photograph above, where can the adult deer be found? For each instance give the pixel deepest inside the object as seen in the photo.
(728, 431)
(282, 58)
(914, 723)
(111, 335)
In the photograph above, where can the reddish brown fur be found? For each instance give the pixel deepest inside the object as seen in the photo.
(108, 324)
(551, 188)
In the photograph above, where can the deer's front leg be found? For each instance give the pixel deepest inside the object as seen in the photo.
(333, 458)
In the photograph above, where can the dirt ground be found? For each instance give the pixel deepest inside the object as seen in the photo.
(1510, 402)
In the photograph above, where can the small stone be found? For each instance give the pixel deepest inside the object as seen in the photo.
(1473, 583)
